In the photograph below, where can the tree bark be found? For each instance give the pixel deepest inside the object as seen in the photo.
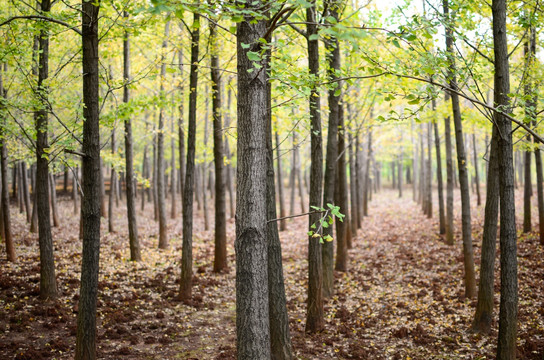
(470, 277)
(188, 188)
(314, 315)
(134, 243)
(484, 307)
(26, 195)
(293, 174)
(429, 172)
(220, 259)
(252, 304)
(283, 222)
(53, 196)
(341, 199)
(161, 186)
(439, 178)
(476, 172)
(353, 190)
(181, 130)
(449, 179)
(86, 317)
(111, 196)
(509, 281)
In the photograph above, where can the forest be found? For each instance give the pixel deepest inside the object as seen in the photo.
(255, 179)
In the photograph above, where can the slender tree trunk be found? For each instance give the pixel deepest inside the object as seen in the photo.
(314, 315)
(181, 130)
(439, 178)
(220, 259)
(476, 172)
(283, 222)
(341, 198)
(359, 181)
(204, 170)
(229, 156)
(399, 167)
(111, 197)
(353, 190)
(540, 193)
(252, 304)
(26, 195)
(188, 189)
(449, 179)
(484, 307)
(429, 172)
(300, 184)
(134, 243)
(161, 185)
(54, 208)
(333, 60)
(10, 248)
(366, 184)
(173, 180)
(470, 277)
(86, 317)
(293, 174)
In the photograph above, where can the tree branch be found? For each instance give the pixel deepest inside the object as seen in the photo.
(40, 17)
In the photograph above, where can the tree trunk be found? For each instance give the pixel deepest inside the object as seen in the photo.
(449, 179)
(204, 170)
(111, 196)
(173, 180)
(540, 193)
(476, 172)
(352, 189)
(366, 184)
(10, 248)
(293, 174)
(484, 308)
(506, 349)
(134, 243)
(399, 175)
(470, 277)
(341, 198)
(333, 61)
(186, 281)
(54, 208)
(439, 178)
(181, 130)
(429, 172)
(220, 259)
(26, 195)
(229, 156)
(314, 315)
(90, 209)
(283, 222)
(161, 186)
(252, 304)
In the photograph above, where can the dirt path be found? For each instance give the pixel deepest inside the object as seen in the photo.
(402, 297)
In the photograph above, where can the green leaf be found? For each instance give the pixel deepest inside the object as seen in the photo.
(253, 56)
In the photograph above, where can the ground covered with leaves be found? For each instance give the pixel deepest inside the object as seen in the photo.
(402, 297)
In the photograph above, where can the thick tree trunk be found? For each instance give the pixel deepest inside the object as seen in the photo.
(252, 304)
(470, 277)
(90, 209)
(161, 185)
(484, 307)
(220, 259)
(314, 315)
(186, 282)
(506, 349)
(132, 188)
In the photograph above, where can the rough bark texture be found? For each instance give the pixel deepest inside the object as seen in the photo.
(90, 208)
(161, 185)
(470, 277)
(506, 349)
(220, 258)
(252, 304)
(134, 242)
(333, 60)
(48, 282)
(280, 338)
(185, 291)
(484, 307)
(314, 316)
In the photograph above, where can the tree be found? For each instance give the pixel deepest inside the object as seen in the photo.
(314, 316)
(220, 260)
(470, 277)
(90, 207)
(252, 305)
(509, 283)
(129, 160)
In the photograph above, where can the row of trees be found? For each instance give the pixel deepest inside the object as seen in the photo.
(272, 80)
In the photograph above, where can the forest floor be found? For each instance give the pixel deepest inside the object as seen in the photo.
(402, 297)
